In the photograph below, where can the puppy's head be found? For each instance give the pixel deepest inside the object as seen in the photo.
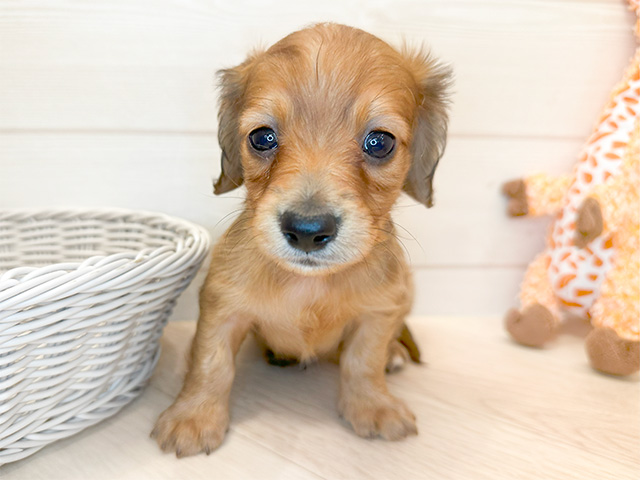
(325, 129)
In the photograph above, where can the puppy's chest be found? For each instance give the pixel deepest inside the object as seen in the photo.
(304, 318)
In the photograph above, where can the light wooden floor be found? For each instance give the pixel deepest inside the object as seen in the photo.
(487, 409)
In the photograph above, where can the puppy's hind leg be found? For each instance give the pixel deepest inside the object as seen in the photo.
(272, 357)
(277, 360)
(401, 351)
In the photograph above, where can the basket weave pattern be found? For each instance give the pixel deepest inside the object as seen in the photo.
(84, 296)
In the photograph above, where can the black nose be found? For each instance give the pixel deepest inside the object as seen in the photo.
(308, 233)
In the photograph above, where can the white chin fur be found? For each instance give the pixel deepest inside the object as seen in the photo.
(306, 266)
(346, 249)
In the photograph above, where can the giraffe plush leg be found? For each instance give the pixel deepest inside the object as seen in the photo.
(536, 195)
(612, 354)
(613, 346)
(538, 320)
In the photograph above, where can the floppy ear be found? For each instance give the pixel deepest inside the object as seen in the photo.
(430, 125)
(232, 85)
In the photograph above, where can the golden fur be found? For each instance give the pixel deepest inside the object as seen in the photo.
(322, 90)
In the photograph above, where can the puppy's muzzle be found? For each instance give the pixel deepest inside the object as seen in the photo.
(308, 233)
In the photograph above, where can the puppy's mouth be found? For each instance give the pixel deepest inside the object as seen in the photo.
(306, 262)
(306, 266)
(317, 261)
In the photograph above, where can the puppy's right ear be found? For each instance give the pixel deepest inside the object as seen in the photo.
(232, 86)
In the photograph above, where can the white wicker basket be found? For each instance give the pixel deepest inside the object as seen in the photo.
(84, 296)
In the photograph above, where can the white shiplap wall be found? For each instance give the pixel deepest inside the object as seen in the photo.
(112, 103)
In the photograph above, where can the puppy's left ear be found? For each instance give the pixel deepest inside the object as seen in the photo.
(430, 125)
(232, 85)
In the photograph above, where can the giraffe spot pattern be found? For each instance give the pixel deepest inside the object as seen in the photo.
(583, 293)
(576, 274)
(565, 280)
(571, 303)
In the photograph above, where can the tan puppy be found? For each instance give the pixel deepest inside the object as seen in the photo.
(325, 129)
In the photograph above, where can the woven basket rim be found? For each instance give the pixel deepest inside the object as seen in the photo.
(79, 332)
(15, 275)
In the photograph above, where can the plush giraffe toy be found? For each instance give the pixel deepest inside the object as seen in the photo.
(591, 267)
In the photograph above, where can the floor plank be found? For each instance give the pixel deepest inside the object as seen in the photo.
(120, 448)
(487, 409)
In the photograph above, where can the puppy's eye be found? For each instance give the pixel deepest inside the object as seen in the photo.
(263, 139)
(378, 145)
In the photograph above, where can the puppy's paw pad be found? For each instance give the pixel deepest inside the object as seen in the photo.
(390, 419)
(188, 433)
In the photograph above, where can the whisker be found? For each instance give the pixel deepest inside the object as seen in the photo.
(233, 212)
(400, 265)
(241, 239)
(240, 226)
(364, 259)
(394, 234)
(398, 238)
(396, 224)
(409, 205)
(224, 197)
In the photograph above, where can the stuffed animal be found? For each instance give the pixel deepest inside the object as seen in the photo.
(591, 266)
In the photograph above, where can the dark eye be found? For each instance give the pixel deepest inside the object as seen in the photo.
(263, 139)
(378, 144)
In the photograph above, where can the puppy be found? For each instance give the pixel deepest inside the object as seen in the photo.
(325, 129)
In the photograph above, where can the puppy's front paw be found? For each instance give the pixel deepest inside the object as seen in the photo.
(188, 431)
(384, 416)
